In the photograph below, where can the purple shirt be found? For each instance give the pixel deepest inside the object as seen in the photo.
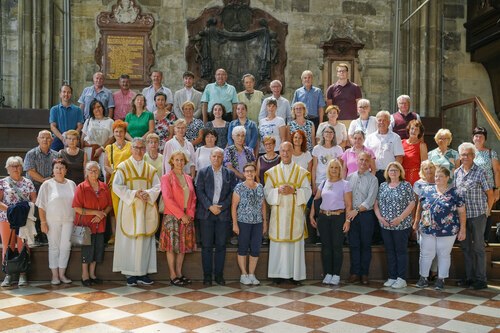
(333, 194)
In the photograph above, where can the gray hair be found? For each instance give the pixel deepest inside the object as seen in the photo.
(467, 146)
(14, 160)
(403, 97)
(217, 150)
(363, 101)
(276, 82)
(248, 75)
(383, 113)
(138, 139)
(360, 132)
(91, 164)
(334, 140)
(237, 130)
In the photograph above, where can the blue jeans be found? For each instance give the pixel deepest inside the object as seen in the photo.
(360, 241)
(213, 234)
(396, 249)
(473, 248)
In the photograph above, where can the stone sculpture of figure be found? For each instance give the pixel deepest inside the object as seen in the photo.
(125, 12)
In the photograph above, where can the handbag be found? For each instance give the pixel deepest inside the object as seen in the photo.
(81, 235)
(16, 262)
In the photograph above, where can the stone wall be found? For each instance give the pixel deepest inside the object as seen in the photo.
(369, 22)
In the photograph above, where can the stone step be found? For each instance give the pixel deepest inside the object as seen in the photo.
(193, 269)
(20, 135)
(24, 116)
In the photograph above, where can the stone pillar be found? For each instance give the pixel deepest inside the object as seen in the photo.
(420, 59)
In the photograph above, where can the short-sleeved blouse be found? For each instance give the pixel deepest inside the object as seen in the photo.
(75, 165)
(393, 201)
(266, 164)
(98, 131)
(237, 159)
(162, 128)
(307, 128)
(484, 160)
(10, 197)
(138, 126)
(332, 194)
(324, 155)
(303, 160)
(350, 158)
(419, 184)
(193, 130)
(250, 206)
(444, 211)
(221, 133)
(446, 160)
(339, 128)
(56, 200)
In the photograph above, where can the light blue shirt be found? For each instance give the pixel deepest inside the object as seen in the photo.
(251, 135)
(66, 118)
(88, 95)
(312, 98)
(283, 110)
(225, 95)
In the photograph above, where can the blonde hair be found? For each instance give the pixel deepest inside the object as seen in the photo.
(333, 161)
(443, 132)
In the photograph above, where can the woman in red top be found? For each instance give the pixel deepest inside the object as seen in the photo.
(92, 203)
(177, 233)
(415, 151)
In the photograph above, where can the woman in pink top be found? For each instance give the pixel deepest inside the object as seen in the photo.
(332, 222)
(350, 156)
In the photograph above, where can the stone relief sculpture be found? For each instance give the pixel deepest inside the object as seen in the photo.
(126, 12)
(239, 39)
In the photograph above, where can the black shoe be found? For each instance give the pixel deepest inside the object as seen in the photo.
(219, 279)
(295, 282)
(477, 285)
(87, 283)
(207, 280)
(277, 281)
(96, 281)
(465, 283)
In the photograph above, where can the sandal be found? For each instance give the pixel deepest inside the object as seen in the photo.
(185, 280)
(177, 282)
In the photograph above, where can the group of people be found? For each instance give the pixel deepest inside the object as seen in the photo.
(204, 167)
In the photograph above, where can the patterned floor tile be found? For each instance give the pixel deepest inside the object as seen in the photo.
(311, 307)
(191, 322)
(254, 322)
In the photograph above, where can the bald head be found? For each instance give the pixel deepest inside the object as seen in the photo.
(286, 149)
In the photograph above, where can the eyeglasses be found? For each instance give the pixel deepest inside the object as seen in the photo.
(363, 106)
(139, 148)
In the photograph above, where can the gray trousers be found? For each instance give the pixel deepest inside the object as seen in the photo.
(473, 248)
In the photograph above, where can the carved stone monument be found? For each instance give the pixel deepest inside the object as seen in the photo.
(125, 45)
(239, 39)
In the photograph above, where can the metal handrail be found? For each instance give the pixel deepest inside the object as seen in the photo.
(477, 104)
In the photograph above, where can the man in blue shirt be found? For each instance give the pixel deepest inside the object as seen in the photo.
(64, 116)
(312, 97)
(99, 92)
(219, 92)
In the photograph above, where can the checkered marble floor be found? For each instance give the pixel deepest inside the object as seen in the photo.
(312, 307)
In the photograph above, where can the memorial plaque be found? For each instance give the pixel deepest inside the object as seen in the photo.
(125, 54)
(125, 45)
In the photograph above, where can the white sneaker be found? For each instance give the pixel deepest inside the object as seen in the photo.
(399, 284)
(55, 282)
(245, 280)
(327, 279)
(23, 280)
(6, 282)
(335, 280)
(253, 279)
(389, 282)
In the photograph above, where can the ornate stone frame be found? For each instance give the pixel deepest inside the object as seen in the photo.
(337, 50)
(246, 20)
(117, 38)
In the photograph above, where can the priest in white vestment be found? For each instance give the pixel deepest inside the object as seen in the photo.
(287, 189)
(137, 185)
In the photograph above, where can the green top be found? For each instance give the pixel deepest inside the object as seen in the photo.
(138, 126)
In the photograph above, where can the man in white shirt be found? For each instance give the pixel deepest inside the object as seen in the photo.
(156, 86)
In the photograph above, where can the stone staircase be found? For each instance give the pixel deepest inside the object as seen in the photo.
(18, 132)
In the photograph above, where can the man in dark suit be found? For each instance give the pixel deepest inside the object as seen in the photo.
(214, 189)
